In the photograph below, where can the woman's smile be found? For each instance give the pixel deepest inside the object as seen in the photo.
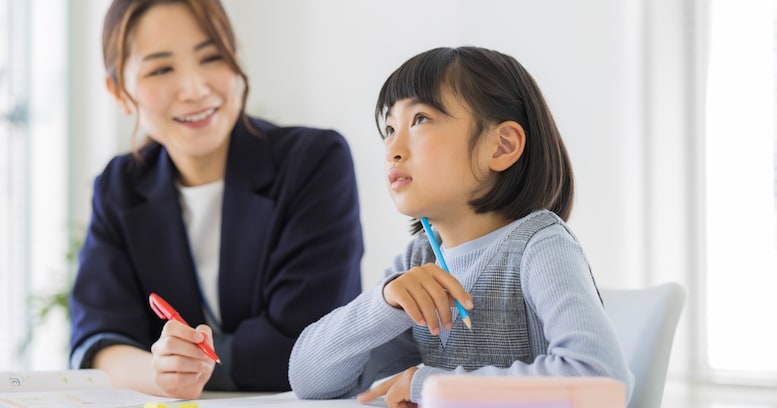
(197, 119)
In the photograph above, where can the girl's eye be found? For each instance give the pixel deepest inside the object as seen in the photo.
(160, 71)
(389, 131)
(419, 119)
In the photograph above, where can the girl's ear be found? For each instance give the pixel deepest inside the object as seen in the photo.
(510, 140)
(120, 97)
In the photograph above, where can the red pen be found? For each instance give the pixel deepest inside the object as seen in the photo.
(165, 311)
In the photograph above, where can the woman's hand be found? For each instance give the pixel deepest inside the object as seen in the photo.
(181, 369)
(424, 292)
(395, 390)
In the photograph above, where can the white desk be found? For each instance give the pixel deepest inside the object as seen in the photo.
(79, 388)
(286, 400)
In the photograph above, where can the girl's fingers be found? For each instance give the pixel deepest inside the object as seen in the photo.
(441, 304)
(426, 294)
(401, 298)
(379, 390)
(439, 285)
(453, 287)
(424, 301)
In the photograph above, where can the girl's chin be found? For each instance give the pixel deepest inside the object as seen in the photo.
(407, 208)
(410, 213)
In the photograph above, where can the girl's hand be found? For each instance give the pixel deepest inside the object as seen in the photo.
(396, 390)
(181, 369)
(424, 292)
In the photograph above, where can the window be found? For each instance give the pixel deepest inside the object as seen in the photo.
(13, 175)
(741, 191)
(33, 179)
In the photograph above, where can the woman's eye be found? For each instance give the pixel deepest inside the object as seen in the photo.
(160, 71)
(212, 58)
(388, 131)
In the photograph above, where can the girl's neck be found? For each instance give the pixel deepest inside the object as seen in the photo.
(456, 231)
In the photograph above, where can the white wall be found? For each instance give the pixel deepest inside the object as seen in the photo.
(97, 129)
(322, 64)
(616, 74)
(601, 64)
(613, 73)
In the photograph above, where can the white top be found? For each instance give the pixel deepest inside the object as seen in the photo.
(201, 209)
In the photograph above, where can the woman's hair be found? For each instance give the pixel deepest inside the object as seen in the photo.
(122, 17)
(496, 88)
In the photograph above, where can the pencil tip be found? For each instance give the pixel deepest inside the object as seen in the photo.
(218, 360)
(468, 322)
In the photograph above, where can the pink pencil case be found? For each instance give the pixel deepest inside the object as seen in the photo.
(460, 391)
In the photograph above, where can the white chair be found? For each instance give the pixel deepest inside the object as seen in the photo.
(645, 321)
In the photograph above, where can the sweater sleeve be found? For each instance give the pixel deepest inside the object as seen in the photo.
(344, 352)
(561, 296)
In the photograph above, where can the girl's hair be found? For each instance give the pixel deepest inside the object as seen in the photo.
(496, 88)
(122, 17)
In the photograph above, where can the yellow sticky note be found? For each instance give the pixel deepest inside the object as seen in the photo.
(186, 404)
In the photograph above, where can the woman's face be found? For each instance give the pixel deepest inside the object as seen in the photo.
(187, 96)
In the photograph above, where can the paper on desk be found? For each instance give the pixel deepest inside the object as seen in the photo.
(286, 399)
(63, 389)
(77, 398)
(79, 388)
(133, 399)
(16, 381)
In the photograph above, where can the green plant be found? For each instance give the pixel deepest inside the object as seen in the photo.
(56, 297)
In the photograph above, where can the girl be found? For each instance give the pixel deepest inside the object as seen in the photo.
(471, 145)
(250, 230)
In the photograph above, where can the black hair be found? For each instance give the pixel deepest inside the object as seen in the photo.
(496, 88)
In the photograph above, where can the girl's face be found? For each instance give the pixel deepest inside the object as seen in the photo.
(187, 96)
(429, 168)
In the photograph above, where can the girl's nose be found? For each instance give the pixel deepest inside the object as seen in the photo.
(393, 152)
(396, 147)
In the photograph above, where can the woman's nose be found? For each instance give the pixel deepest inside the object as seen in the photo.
(193, 85)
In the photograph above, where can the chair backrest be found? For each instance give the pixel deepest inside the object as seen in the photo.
(645, 321)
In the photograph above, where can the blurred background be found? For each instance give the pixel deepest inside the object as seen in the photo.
(667, 108)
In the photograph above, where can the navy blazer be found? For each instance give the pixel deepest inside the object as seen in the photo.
(291, 248)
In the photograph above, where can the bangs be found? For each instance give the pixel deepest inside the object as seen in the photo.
(420, 79)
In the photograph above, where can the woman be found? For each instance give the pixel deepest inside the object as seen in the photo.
(250, 230)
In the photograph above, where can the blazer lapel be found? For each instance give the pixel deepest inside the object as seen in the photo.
(246, 218)
(158, 242)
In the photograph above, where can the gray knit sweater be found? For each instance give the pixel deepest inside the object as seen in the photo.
(537, 312)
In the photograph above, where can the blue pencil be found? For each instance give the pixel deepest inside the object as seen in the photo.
(436, 248)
